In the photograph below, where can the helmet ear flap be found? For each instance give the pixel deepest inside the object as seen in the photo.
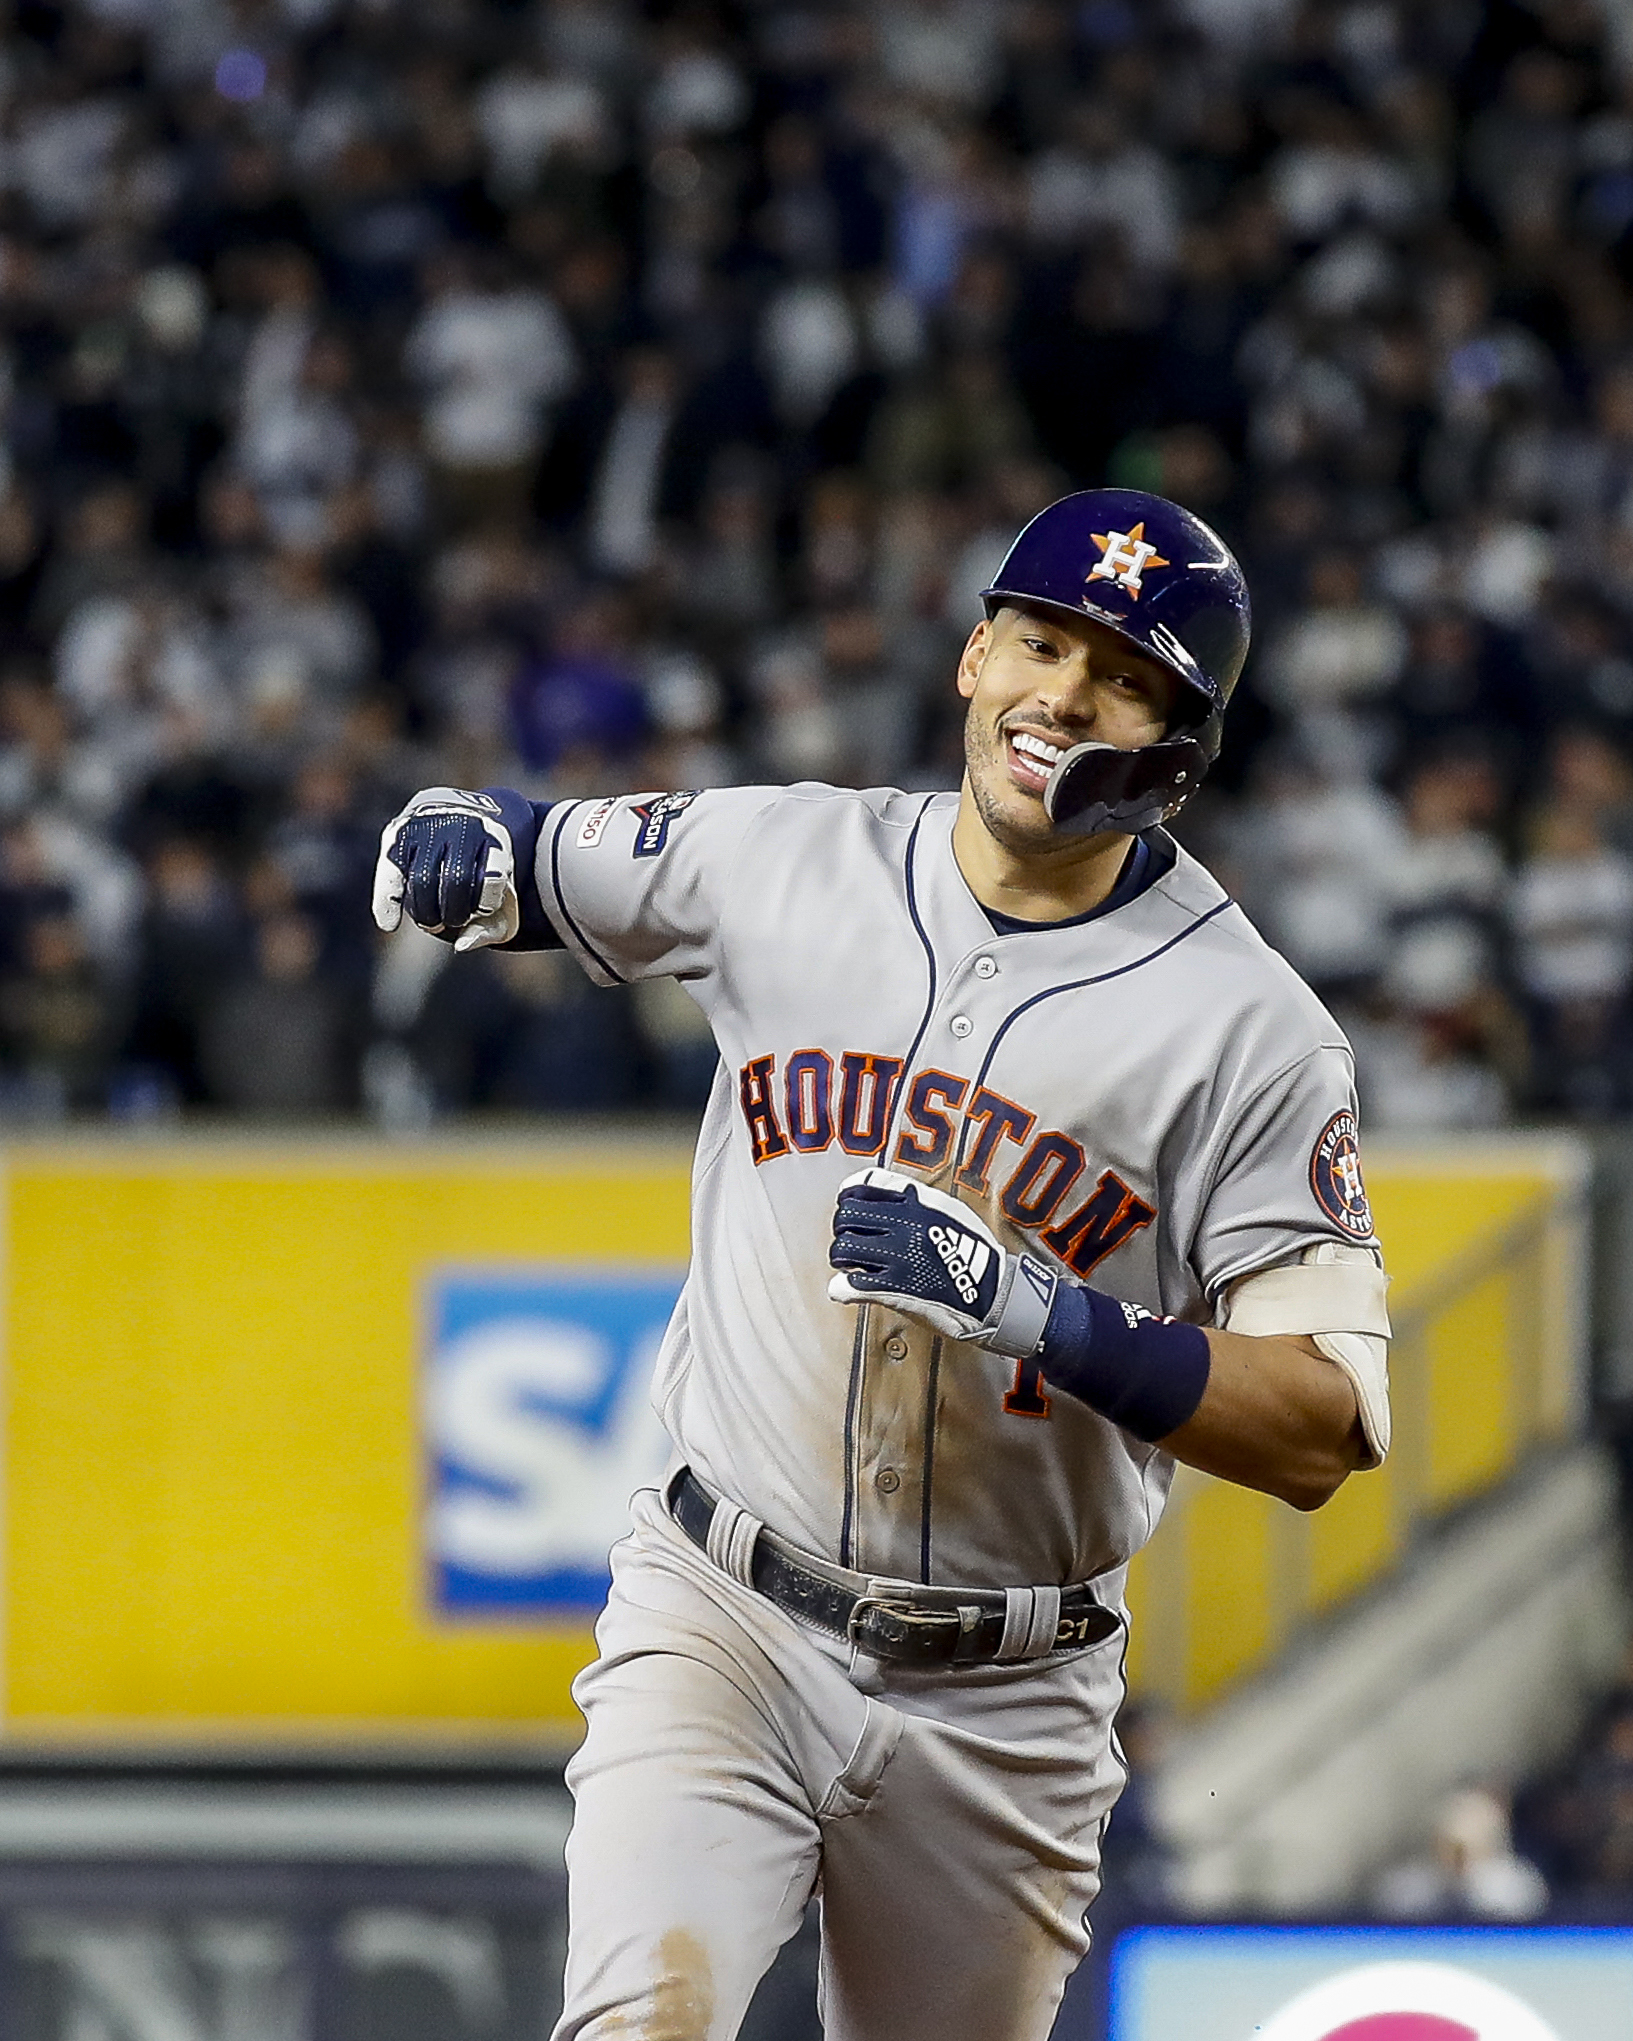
(1096, 788)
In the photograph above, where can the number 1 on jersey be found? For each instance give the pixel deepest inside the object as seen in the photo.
(1026, 1397)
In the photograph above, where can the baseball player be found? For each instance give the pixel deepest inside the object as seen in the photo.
(1029, 1170)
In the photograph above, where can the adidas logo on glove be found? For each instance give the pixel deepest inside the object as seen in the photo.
(966, 1259)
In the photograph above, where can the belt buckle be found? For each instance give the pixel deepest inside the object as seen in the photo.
(868, 1605)
(920, 1636)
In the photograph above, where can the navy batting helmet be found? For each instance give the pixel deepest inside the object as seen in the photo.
(1162, 579)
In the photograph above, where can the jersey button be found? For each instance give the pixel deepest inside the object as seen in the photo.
(896, 1347)
(887, 1480)
(961, 1025)
(985, 968)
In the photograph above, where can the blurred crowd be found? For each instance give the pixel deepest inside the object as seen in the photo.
(1577, 1823)
(1566, 1855)
(1561, 1850)
(588, 396)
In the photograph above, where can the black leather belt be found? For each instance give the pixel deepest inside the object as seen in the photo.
(909, 1626)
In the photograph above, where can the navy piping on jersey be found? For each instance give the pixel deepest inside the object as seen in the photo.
(853, 1395)
(1078, 985)
(932, 1384)
(561, 901)
(930, 961)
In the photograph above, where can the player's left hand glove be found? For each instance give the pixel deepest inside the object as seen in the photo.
(450, 860)
(899, 1243)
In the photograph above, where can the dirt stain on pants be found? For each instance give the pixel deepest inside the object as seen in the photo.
(683, 1992)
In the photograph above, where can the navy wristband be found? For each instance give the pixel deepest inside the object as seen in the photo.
(1146, 1374)
(524, 819)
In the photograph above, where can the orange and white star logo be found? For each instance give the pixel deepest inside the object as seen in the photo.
(1124, 557)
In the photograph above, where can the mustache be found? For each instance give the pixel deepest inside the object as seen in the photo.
(1036, 727)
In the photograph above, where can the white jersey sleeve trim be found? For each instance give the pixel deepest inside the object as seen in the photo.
(1334, 1295)
(547, 877)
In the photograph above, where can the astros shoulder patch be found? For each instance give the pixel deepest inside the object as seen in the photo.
(1335, 1177)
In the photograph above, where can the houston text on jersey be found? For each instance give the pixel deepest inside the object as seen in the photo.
(808, 1108)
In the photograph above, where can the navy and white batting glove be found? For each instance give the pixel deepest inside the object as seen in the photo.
(451, 862)
(899, 1243)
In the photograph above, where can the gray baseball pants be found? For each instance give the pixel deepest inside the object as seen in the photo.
(737, 1761)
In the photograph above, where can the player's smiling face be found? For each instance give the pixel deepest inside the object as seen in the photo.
(1038, 682)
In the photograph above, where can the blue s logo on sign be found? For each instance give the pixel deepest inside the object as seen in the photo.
(538, 1431)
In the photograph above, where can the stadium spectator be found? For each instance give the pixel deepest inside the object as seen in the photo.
(490, 353)
(1572, 913)
(1578, 1822)
(191, 945)
(275, 1042)
(1471, 1871)
(57, 1024)
(1444, 885)
(1438, 1044)
(1314, 858)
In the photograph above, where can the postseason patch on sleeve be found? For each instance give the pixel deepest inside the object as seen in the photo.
(1335, 1177)
(653, 819)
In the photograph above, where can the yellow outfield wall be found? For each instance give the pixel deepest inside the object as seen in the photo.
(214, 1478)
(215, 1485)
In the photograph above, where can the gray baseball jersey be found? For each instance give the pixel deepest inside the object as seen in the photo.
(1148, 1095)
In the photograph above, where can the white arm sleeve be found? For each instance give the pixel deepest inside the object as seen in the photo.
(1334, 1294)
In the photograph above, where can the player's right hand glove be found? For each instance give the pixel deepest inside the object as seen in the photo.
(450, 861)
(898, 1242)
